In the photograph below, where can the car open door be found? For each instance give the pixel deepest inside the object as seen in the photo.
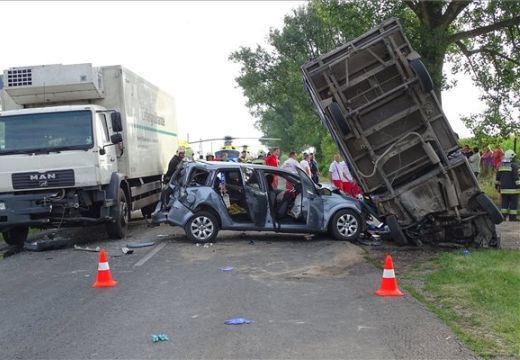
(312, 204)
(256, 196)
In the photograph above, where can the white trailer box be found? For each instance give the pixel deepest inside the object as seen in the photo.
(127, 138)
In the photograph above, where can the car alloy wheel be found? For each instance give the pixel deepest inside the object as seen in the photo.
(202, 228)
(347, 225)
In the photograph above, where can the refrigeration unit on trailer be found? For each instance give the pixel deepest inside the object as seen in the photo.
(376, 99)
(80, 145)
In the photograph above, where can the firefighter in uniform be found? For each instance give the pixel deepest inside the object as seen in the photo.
(508, 183)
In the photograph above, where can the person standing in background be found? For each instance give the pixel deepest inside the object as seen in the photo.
(272, 160)
(315, 174)
(336, 176)
(487, 161)
(291, 163)
(474, 162)
(498, 156)
(304, 164)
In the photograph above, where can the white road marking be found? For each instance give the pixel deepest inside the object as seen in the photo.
(150, 254)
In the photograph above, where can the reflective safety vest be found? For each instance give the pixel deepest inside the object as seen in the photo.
(508, 178)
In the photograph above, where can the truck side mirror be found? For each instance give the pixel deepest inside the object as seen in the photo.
(117, 125)
(116, 138)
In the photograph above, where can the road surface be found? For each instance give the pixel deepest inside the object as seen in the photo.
(307, 299)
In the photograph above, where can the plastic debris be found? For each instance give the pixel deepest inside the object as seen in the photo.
(197, 244)
(308, 237)
(227, 268)
(465, 252)
(140, 245)
(86, 248)
(206, 246)
(237, 321)
(162, 235)
(160, 337)
(127, 251)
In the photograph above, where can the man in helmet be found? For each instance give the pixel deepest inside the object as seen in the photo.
(174, 163)
(508, 183)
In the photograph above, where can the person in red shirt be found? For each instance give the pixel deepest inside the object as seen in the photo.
(272, 160)
(498, 155)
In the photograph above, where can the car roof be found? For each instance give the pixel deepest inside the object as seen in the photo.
(213, 165)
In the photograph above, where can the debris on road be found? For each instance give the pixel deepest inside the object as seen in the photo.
(86, 248)
(237, 321)
(160, 337)
(308, 236)
(127, 251)
(251, 242)
(161, 235)
(140, 245)
(48, 242)
(227, 268)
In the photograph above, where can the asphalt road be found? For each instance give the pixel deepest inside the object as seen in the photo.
(309, 299)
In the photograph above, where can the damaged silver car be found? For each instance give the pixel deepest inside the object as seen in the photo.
(205, 197)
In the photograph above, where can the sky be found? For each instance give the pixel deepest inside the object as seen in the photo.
(182, 47)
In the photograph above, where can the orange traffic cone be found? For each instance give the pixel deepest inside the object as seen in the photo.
(389, 283)
(104, 278)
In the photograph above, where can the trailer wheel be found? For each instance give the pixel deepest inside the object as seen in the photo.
(395, 230)
(487, 205)
(338, 118)
(424, 77)
(119, 226)
(16, 236)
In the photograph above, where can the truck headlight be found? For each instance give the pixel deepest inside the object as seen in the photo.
(2, 206)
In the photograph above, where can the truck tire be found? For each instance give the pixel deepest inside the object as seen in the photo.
(424, 77)
(487, 205)
(395, 230)
(346, 225)
(202, 227)
(118, 228)
(16, 236)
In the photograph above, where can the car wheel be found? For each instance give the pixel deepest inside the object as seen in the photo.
(119, 227)
(395, 230)
(202, 227)
(16, 236)
(346, 225)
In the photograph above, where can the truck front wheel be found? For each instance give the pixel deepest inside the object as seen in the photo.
(119, 226)
(16, 236)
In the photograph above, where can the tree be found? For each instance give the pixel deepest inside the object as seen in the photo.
(480, 38)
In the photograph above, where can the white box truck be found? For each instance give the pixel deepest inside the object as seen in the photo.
(80, 145)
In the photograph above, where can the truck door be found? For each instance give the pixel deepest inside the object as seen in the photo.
(256, 196)
(108, 161)
(312, 204)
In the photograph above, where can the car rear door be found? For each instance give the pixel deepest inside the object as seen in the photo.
(256, 196)
(312, 204)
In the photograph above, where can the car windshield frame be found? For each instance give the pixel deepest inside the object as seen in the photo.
(33, 132)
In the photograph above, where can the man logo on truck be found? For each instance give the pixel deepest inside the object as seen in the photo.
(38, 177)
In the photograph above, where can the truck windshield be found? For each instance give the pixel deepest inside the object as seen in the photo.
(46, 132)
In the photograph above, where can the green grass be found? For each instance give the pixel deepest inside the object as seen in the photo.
(477, 295)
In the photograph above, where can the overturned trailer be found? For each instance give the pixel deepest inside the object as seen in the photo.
(376, 99)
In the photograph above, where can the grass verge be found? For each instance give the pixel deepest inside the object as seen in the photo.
(477, 295)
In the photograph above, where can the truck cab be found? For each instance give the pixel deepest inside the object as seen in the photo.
(69, 151)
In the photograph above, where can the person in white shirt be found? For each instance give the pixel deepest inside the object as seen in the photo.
(304, 164)
(336, 173)
(291, 163)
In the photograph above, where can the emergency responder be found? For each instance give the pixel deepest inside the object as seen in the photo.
(172, 167)
(174, 163)
(508, 183)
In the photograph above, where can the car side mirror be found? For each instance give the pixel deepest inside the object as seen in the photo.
(117, 124)
(116, 138)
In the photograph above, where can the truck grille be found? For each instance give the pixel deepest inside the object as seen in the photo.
(19, 77)
(36, 180)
